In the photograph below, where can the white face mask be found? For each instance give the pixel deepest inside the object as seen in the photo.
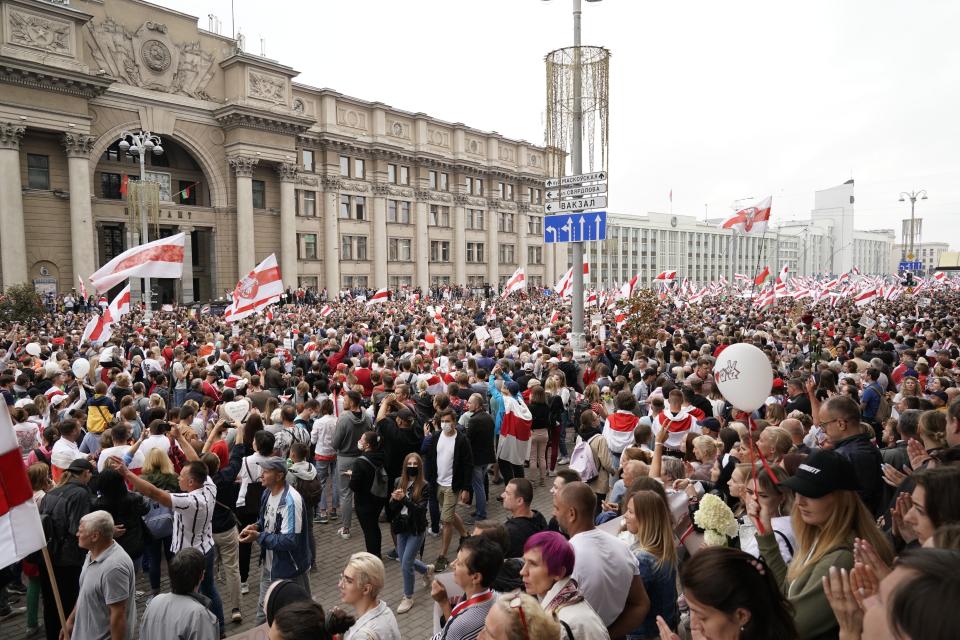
(447, 426)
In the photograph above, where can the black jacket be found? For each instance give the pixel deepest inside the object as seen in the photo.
(519, 529)
(362, 479)
(866, 460)
(415, 521)
(64, 505)
(129, 512)
(480, 428)
(397, 443)
(228, 488)
(540, 413)
(462, 462)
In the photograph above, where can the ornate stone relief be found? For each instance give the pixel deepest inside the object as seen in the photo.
(288, 172)
(494, 203)
(299, 106)
(351, 118)
(508, 154)
(331, 183)
(380, 189)
(148, 58)
(438, 137)
(476, 202)
(309, 181)
(474, 146)
(354, 185)
(461, 199)
(78, 145)
(397, 129)
(523, 207)
(534, 159)
(509, 206)
(10, 135)
(265, 86)
(40, 32)
(243, 165)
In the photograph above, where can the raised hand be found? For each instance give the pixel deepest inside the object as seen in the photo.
(864, 554)
(839, 592)
(917, 454)
(892, 476)
(665, 632)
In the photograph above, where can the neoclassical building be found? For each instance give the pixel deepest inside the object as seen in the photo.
(345, 191)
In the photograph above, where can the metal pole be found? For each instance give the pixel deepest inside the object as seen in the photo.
(913, 230)
(144, 229)
(576, 166)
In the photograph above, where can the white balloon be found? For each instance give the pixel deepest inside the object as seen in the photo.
(81, 367)
(236, 410)
(33, 348)
(744, 376)
(52, 369)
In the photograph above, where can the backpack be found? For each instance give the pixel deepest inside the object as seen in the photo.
(579, 407)
(250, 511)
(301, 431)
(582, 459)
(883, 408)
(159, 520)
(311, 490)
(379, 486)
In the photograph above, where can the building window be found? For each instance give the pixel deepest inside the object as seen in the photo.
(468, 184)
(404, 175)
(392, 173)
(439, 251)
(534, 255)
(399, 250)
(345, 166)
(475, 219)
(535, 195)
(506, 254)
(187, 191)
(344, 206)
(439, 215)
(535, 225)
(308, 282)
(353, 247)
(259, 194)
(398, 282)
(505, 222)
(444, 182)
(38, 171)
(432, 179)
(501, 190)
(307, 160)
(110, 186)
(478, 187)
(439, 181)
(475, 282)
(440, 281)
(355, 282)
(509, 192)
(309, 206)
(398, 211)
(360, 207)
(307, 246)
(359, 168)
(474, 252)
(536, 281)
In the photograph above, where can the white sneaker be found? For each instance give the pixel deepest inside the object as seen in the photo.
(563, 460)
(343, 533)
(405, 605)
(244, 589)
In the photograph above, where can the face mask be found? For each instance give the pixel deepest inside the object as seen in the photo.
(447, 426)
(413, 472)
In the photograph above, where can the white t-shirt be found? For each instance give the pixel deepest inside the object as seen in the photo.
(604, 569)
(445, 446)
(152, 442)
(193, 518)
(250, 471)
(269, 521)
(105, 454)
(64, 452)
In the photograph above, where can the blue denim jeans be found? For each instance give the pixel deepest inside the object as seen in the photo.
(208, 586)
(408, 546)
(156, 548)
(479, 495)
(329, 480)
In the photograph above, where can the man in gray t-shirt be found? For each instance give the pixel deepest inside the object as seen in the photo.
(105, 608)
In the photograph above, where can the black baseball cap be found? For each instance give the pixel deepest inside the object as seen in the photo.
(823, 472)
(79, 465)
(403, 413)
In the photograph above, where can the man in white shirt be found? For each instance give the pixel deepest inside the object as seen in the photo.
(121, 444)
(606, 570)
(157, 439)
(65, 450)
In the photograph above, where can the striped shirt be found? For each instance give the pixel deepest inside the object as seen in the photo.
(193, 518)
(466, 623)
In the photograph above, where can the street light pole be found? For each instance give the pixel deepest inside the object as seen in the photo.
(140, 143)
(577, 342)
(912, 196)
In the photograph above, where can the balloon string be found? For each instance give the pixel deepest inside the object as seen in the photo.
(753, 470)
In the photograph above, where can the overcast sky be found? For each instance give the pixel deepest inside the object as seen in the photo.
(715, 100)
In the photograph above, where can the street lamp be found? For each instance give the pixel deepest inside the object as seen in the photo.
(577, 342)
(139, 144)
(912, 196)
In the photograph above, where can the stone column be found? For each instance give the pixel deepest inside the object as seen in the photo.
(422, 277)
(78, 148)
(187, 294)
(13, 251)
(459, 241)
(331, 235)
(380, 191)
(550, 257)
(522, 241)
(288, 224)
(493, 248)
(243, 166)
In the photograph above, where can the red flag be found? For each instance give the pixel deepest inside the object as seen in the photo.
(763, 275)
(123, 185)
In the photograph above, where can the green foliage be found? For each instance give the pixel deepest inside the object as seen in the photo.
(21, 303)
(643, 315)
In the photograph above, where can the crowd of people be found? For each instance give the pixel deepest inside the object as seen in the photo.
(183, 445)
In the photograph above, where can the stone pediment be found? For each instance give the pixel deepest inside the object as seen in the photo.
(148, 58)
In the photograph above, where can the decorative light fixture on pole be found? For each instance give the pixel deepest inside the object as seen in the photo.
(140, 143)
(912, 196)
(578, 89)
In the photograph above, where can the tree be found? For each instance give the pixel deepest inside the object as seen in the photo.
(643, 315)
(21, 303)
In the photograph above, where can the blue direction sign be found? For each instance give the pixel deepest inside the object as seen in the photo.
(575, 227)
(911, 266)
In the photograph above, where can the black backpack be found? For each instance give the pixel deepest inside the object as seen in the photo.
(250, 511)
(380, 486)
(311, 490)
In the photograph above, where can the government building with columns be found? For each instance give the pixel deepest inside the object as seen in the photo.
(344, 191)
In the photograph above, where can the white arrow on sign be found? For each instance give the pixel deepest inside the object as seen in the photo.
(573, 192)
(597, 176)
(582, 204)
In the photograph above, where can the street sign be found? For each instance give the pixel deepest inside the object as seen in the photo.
(580, 204)
(597, 176)
(575, 227)
(573, 192)
(911, 266)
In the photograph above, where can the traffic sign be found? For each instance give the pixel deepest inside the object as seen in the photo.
(597, 176)
(575, 227)
(580, 204)
(574, 192)
(911, 266)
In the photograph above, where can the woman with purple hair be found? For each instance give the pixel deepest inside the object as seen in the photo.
(548, 561)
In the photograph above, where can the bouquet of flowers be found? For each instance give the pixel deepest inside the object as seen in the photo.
(716, 519)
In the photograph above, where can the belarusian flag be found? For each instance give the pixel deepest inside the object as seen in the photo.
(762, 276)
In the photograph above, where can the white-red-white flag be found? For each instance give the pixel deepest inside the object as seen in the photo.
(565, 286)
(864, 297)
(516, 282)
(260, 287)
(751, 219)
(100, 327)
(83, 289)
(161, 258)
(666, 276)
(21, 532)
(326, 311)
(383, 295)
(780, 287)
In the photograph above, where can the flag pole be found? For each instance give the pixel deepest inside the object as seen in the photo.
(53, 586)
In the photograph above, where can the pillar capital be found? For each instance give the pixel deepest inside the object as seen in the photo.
(243, 166)
(331, 183)
(10, 135)
(288, 172)
(78, 145)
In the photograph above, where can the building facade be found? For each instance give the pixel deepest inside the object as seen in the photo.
(926, 253)
(346, 192)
